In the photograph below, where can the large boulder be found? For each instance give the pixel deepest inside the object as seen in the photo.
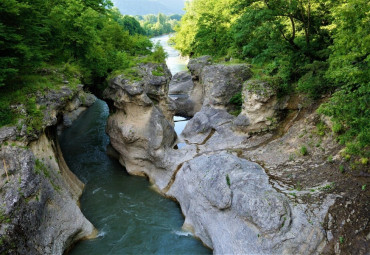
(222, 82)
(186, 94)
(181, 84)
(207, 85)
(261, 108)
(196, 65)
(229, 203)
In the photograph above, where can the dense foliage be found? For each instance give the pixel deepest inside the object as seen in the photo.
(311, 46)
(160, 24)
(86, 33)
(69, 38)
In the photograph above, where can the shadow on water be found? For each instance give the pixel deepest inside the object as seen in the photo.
(130, 216)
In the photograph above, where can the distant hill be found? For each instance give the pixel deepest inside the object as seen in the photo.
(142, 7)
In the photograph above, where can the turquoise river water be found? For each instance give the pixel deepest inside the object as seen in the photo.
(130, 216)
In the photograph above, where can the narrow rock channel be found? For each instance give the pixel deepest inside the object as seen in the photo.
(130, 216)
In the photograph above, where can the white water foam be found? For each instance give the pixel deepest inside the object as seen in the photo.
(182, 233)
(96, 190)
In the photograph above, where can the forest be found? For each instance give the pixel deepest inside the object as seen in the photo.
(315, 47)
(45, 43)
(160, 24)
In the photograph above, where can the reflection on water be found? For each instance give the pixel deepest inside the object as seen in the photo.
(174, 62)
(180, 123)
(130, 216)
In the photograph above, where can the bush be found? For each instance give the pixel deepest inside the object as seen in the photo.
(158, 55)
(303, 151)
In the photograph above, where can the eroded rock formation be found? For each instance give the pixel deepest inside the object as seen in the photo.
(39, 212)
(141, 125)
(231, 203)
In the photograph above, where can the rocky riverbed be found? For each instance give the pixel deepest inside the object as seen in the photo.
(255, 183)
(262, 175)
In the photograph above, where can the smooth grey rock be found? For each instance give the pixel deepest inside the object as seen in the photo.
(244, 215)
(242, 121)
(7, 133)
(39, 201)
(196, 65)
(87, 99)
(230, 203)
(185, 94)
(261, 107)
(222, 82)
(181, 84)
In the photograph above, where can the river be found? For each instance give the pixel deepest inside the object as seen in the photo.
(130, 216)
(174, 61)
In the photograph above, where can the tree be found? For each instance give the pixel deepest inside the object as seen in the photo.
(349, 69)
(21, 37)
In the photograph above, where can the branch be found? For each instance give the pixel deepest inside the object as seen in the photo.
(293, 27)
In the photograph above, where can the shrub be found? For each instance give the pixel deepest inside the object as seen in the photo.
(303, 151)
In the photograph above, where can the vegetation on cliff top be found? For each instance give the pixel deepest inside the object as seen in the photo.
(317, 47)
(52, 43)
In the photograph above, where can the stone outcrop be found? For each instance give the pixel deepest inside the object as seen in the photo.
(207, 85)
(141, 127)
(229, 203)
(232, 203)
(39, 212)
(222, 82)
(261, 109)
(186, 97)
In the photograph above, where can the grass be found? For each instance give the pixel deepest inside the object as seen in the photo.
(328, 187)
(22, 94)
(341, 169)
(341, 239)
(236, 101)
(41, 168)
(4, 218)
(303, 151)
(159, 71)
(298, 186)
(236, 112)
(321, 128)
(330, 159)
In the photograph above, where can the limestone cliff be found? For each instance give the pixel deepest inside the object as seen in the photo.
(39, 211)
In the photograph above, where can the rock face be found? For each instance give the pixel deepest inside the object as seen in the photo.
(185, 96)
(261, 107)
(232, 207)
(222, 82)
(39, 212)
(233, 204)
(141, 127)
(207, 85)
